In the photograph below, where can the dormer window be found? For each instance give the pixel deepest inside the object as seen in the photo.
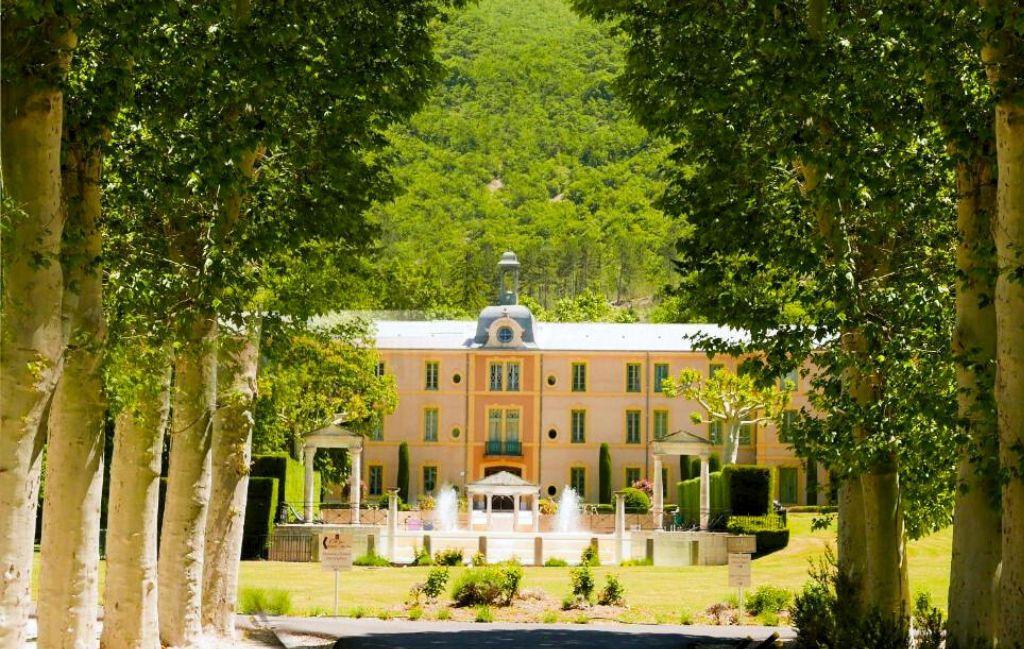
(506, 335)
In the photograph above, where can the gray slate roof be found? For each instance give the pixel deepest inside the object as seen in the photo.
(554, 336)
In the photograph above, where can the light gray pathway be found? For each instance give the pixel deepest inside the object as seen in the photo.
(372, 633)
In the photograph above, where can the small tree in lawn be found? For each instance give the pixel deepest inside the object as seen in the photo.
(733, 400)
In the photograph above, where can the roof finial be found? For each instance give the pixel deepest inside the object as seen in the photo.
(508, 278)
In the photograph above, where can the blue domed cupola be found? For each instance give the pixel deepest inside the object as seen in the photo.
(506, 324)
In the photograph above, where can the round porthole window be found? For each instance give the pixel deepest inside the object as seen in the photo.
(552, 490)
(551, 379)
(505, 335)
(552, 433)
(456, 432)
(456, 378)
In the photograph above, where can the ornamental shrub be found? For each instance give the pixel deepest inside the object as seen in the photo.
(448, 557)
(437, 579)
(613, 594)
(489, 585)
(548, 506)
(636, 500)
(555, 562)
(371, 559)
(770, 533)
(582, 582)
(421, 557)
(589, 556)
(768, 599)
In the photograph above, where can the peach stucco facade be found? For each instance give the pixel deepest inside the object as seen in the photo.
(548, 454)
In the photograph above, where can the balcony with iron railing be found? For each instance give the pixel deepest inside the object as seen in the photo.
(503, 447)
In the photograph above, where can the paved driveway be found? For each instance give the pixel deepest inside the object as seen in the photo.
(370, 633)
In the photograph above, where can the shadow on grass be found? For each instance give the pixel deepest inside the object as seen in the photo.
(555, 637)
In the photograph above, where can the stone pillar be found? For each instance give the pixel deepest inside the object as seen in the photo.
(538, 551)
(620, 526)
(392, 522)
(536, 513)
(488, 499)
(515, 512)
(308, 453)
(355, 482)
(705, 492)
(658, 498)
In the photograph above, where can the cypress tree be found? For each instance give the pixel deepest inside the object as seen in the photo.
(403, 472)
(684, 467)
(604, 494)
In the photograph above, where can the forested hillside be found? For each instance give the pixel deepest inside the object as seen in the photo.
(524, 147)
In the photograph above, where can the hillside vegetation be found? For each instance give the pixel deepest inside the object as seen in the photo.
(524, 147)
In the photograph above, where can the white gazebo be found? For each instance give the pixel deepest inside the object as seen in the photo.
(505, 484)
(333, 436)
(682, 443)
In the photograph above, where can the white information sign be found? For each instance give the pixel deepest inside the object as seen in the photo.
(739, 570)
(336, 551)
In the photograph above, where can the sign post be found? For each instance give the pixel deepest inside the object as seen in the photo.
(739, 574)
(335, 556)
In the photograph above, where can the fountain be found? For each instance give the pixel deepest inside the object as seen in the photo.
(447, 509)
(568, 520)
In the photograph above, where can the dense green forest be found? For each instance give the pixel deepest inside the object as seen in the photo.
(524, 146)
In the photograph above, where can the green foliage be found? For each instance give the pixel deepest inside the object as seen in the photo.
(549, 617)
(260, 511)
(478, 559)
(604, 491)
(628, 563)
(269, 601)
(613, 593)
(436, 581)
(402, 479)
(685, 464)
(487, 585)
(768, 599)
(771, 536)
(688, 496)
(449, 557)
(307, 377)
(443, 614)
(929, 624)
(714, 464)
(525, 146)
(371, 559)
(749, 489)
(415, 613)
(555, 562)
(582, 580)
(421, 557)
(636, 500)
(588, 557)
(290, 476)
(483, 614)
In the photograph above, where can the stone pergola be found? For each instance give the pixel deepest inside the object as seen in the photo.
(682, 443)
(333, 436)
(504, 483)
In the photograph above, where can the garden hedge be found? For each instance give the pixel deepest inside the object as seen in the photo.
(688, 497)
(749, 489)
(260, 509)
(290, 476)
(769, 530)
(636, 501)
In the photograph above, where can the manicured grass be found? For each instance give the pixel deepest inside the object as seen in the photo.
(652, 593)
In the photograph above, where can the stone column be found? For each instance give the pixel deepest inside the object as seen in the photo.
(356, 484)
(392, 522)
(488, 498)
(659, 498)
(308, 453)
(536, 513)
(620, 526)
(515, 512)
(705, 492)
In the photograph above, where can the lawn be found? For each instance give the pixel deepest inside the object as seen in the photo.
(653, 594)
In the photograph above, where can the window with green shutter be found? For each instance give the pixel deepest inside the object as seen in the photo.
(632, 475)
(633, 383)
(578, 480)
(494, 425)
(579, 377)
(497, 371)
(715, 432)
(375, 484)
(786, 428)
(787, 485)
(579, 426)
(747, 433)
(660, 374)
(432, 371)
(430, 416)
(429, 479)
(632, 426)
(660, 423)
(512, 374)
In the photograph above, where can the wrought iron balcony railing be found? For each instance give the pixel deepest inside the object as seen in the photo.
(507, 447)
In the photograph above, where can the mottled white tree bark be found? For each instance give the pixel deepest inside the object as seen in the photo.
(30, 310)
(232, 446)
(69, 566)
(130, 598)
(188, 485)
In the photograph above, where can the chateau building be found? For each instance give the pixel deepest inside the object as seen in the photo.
(537, 399)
